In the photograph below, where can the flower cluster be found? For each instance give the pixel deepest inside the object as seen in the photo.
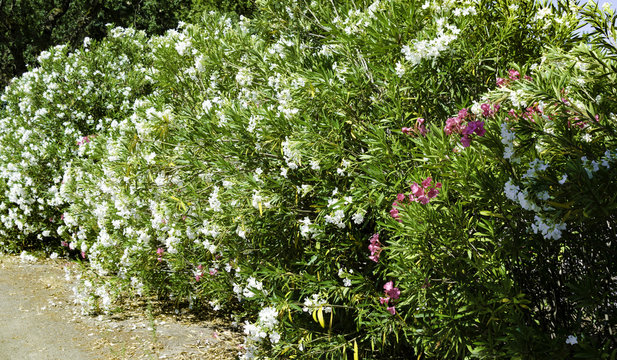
(260, 330)
(592, 166)
(421, 193)
(85, 139)
(391, 293)
(465, 123)
(418, 129)
(374, 247)
(315, 302)
(431, 49)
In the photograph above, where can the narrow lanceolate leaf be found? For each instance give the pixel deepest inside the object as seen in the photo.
(320, 317)
(356, 354)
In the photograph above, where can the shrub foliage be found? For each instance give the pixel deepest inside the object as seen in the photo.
(378, 180)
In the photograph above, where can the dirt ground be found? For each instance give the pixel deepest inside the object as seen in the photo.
(39, 321)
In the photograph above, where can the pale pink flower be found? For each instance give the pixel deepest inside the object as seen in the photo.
(416, 190)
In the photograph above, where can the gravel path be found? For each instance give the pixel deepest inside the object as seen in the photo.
(39, 321)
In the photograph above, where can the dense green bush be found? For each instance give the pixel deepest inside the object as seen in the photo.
(354, 179)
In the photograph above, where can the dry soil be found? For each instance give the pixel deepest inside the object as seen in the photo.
(39, 321)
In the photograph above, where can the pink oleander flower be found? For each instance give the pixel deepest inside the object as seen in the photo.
(375, 248)
(453, 125)
(392, 293)
(457, 126)
(395, 214)
(513, 74)
(501, 82)
(419, 128)
(416, 190)
(423, 200)
(390, 290)
(421, 193)
(432, 193)
(160, 251)
(388, 286)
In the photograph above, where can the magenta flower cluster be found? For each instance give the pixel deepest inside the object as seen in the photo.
(419, 128)
(391, 293)
(374, 247)
(465, 124)
(421, 193)
(513, 75)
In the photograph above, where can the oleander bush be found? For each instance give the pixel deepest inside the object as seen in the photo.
(48, 112)
(376, 180)
(31, 26)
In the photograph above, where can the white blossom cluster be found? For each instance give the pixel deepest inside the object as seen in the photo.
(507, 139)
(256, 332)
(39, 131)
(431, 49)
(547, 228)
(316, 302)
(592, 166)
(291, 154)
(252, 288)
(345, 275)
(542, 223)
(358, 20)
